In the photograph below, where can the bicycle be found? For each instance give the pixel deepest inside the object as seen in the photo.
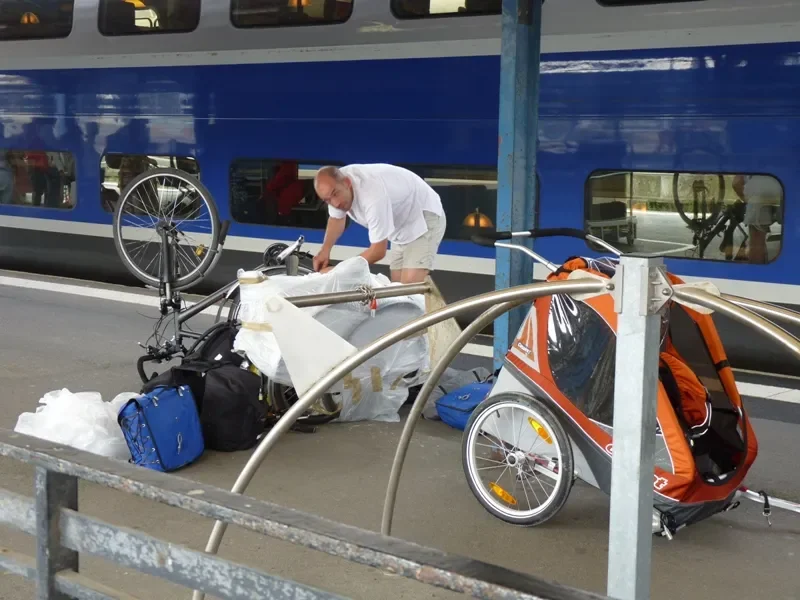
(711, 217)
(169, 200)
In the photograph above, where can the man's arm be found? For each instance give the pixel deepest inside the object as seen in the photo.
(375, 252)
(333, 231)
(379, 222)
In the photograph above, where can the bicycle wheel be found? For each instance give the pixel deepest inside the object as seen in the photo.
(700, 195)
(283, 397)
(177, 202)
(518, 438)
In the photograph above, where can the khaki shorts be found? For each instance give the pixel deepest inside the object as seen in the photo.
(420, 253)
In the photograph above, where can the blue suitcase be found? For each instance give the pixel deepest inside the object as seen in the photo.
(162, 428)
(456, 407)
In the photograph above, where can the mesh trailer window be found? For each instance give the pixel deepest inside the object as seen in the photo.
(37, 178)
(707, 216)
(23, 20)
(132, 17)
(285, 13)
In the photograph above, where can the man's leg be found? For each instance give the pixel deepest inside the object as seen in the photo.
(421, 253)
(396, 262)
(758, 245)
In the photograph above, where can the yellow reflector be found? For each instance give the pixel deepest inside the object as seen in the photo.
(540, 430)
(200, 250)
(502, 494)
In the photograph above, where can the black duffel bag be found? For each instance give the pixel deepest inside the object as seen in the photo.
(228, 397)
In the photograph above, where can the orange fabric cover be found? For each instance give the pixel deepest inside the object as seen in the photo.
(693, 393)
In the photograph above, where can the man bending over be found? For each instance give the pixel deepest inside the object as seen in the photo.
(395, 205)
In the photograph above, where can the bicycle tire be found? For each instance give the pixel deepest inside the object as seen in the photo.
(200, 271)
(694, 224)
(548, 419)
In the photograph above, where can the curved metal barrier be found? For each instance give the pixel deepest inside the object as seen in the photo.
(764, 308)
(422, 398)
(741, 309)
(499, 302)
(745, 315)
(517, 294)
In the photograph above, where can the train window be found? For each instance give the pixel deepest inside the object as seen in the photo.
(469, 197)
(127, 17)
(117, 171)
(709, 216)
(282, 13)
(21, 20)
(37, 178)
(417, 9)
(276, 192)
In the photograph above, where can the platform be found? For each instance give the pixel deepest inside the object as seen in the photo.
(65, 333)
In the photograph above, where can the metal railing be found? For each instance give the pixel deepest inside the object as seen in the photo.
(62, 533)
(640, 289)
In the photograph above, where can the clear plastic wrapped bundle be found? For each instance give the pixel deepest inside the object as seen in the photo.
(377, 389)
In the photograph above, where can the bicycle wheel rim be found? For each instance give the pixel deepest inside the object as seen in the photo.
(483, 490)
(142, 195)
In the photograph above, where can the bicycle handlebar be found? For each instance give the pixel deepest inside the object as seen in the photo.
(291, 249)
(489, 238)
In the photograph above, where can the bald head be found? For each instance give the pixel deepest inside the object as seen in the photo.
(334, 188)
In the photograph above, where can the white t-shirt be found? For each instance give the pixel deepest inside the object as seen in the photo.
(389, 201)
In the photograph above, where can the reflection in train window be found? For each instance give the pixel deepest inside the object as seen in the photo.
(416, 9)
(37, 178)
(22, 20)
(281, 13)
(117, 171)
(126, 17)
(276, 192)
(709, 216)
(273, 192)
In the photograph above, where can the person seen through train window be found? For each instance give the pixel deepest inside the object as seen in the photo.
(763, 196)
(394, 205)
(286, 189)
(38, 168)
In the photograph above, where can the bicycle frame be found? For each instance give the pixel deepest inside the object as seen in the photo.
(171, 300)
(288, 256)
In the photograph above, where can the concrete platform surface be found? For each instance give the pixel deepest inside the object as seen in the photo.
(50, 341)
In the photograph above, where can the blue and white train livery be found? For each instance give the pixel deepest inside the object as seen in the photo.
(662, 125)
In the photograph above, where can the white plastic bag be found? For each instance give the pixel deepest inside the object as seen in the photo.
(81, 420)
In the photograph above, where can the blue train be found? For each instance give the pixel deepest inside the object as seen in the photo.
(666, 126)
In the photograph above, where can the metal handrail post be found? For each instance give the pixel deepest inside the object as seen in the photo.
(520, 293)
(421, 400)
(644, 289)
(639, 286)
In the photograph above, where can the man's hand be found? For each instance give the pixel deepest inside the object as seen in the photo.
(321, 260)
